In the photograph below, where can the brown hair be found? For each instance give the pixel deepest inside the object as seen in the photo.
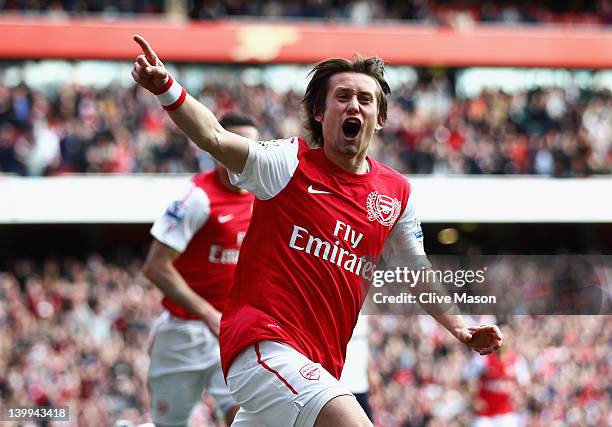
(316, 91)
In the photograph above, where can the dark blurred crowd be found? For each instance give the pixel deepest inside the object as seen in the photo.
(85, 7)
(598, 12)
(561, 132)
(360, 11)
(419, 375)
(74, 333)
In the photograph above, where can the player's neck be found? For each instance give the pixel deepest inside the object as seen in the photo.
(357, 164)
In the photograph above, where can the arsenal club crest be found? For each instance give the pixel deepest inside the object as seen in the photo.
(384, 209)
(311, 371)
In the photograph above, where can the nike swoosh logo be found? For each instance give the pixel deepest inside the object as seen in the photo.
(225, 218)
(313, 191)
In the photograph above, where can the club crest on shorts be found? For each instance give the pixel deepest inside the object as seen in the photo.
(311, 371)
(384, 209)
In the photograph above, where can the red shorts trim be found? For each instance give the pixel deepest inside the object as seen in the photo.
(280, 377)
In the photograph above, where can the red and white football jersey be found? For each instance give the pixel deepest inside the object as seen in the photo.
(317, 232)
(498, 378)
(207, 225)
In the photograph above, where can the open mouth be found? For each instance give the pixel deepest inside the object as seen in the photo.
(351, 127)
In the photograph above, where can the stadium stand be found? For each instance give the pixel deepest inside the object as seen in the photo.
(75, 333)
(437, 12)
(358, 11)
(561, 132)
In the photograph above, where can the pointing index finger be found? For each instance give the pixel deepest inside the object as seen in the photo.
(146, 48)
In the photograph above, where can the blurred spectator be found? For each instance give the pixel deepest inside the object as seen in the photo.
(562, 132)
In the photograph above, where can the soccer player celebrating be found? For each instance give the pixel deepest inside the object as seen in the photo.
(192, 261)
(323, 215)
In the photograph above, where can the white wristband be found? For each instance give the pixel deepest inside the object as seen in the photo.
(171, 95)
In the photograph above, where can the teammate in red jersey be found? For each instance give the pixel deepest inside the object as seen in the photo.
(322, 218)
(498, 379)
(192, 260)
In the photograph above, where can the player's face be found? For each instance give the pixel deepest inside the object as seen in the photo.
(351, 112)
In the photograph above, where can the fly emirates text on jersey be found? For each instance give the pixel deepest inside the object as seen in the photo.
(302, 240)
(220, 255)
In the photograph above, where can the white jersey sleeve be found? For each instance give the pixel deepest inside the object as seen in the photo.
(182, 219)
(406, 238)
(269, 167)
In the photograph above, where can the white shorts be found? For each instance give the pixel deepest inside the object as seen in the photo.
(277, 386)
(505, 420)
(185, 361)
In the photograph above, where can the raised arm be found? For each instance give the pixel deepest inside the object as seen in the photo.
(193, 118)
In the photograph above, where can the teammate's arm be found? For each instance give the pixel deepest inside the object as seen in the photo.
(193, 118)
(160, 270)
